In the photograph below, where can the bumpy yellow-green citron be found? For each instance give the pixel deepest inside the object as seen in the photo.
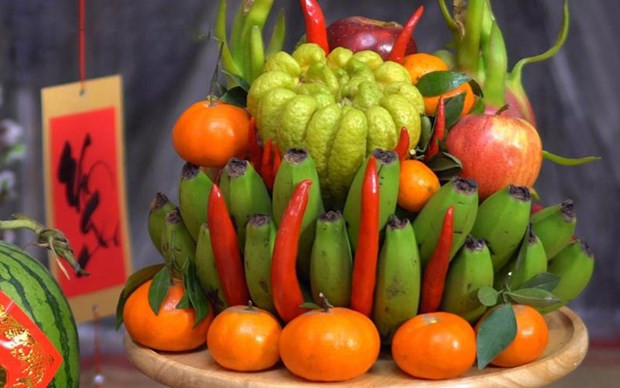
(340, 107)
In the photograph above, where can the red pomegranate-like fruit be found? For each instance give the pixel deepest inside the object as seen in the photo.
(359, 33)
(496, 151)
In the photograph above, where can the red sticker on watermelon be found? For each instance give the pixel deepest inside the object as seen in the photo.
(28, 357)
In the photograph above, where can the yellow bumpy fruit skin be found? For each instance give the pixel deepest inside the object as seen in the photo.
(339, 107)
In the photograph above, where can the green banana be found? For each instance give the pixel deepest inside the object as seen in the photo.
(206, 271)
(389, 171)
(470, 270)
(529, 262)
(574, 265)
(245, 194)
(502, 220)
(555, 226)
(397, 293)
(331, 263)
(177, 244)
(194, 189)
(458, 192)
(260, 237)
(297, 165)
(160, 205)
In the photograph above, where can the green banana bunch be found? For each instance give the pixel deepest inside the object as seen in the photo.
(297, 165)
(574, 265)
(206, 271)
(389, 173)
(397, 293)
(245, 194)
(458, 192)
(502, 220)
(331, 263)
(529, 262)
(260, 237)
(470, 270)
(177, 244)
(160, 206)
(194, 189)
(555, 226)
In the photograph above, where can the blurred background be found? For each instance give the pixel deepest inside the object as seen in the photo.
(162, 50)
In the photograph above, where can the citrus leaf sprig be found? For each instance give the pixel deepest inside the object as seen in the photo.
(499, 328)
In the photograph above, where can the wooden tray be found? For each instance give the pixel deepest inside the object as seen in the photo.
(568, 344)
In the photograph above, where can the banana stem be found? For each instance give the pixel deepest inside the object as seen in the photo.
(469, 50)
(514, 78)
(52, 239)
(496, 61)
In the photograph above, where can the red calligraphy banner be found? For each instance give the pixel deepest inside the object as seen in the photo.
(85, 189)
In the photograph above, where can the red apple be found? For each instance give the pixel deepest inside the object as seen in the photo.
(518, 106)
(359, 33)
(496, 151)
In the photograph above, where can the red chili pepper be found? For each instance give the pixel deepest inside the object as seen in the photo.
(228, 263)
(277, 159)
(437, 268)
(365, 266)
(402, 148)
(440, 131)
(254, 151)
(316, 31)
(266, 170)
(287, 296)
(400, 45)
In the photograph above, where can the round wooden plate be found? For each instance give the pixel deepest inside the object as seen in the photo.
(568, 344)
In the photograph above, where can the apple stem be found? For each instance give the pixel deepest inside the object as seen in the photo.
(502, 109)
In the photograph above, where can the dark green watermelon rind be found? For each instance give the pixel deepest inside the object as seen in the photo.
(32, 287)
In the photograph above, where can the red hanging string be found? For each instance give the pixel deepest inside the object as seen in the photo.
(98, 379)
(82, 43)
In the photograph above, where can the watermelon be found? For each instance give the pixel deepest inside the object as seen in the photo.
(33, 288)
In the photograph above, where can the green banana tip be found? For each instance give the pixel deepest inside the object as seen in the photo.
(295, 155)
(585, 247)
(174, 216)
(465, 185)
(160, 200)
(567, 208)
(474, 244)
(330, 216)
(259, 220)
(396, 223)
(385, 156)
(236, 167)
(189, 171)
(520, 193)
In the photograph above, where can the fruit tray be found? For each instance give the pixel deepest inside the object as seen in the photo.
(568, 343)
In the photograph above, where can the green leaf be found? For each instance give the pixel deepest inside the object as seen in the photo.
(478, 107)
(310, 306)
(453, 109)
(235, 96)
(184, 303)
(426, 132)
(159, 289)
(545, 281)
(445, 165)
(495, 333)
(137, 279)
(241, 82)
(535, 297)
(193, 290)
(439, 82)
(475, 87)
(488, 296)
(2, 376)
(557, 159)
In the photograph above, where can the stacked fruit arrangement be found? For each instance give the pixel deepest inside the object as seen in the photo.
(361, 198)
